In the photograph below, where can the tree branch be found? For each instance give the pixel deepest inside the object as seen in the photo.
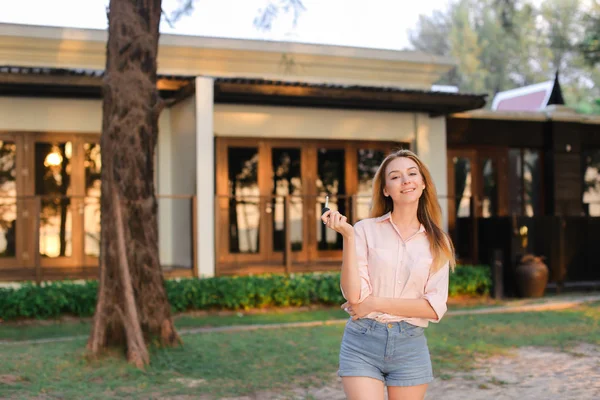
(264, 20)
(186, 7)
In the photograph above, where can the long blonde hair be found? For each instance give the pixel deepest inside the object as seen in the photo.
(429, 212)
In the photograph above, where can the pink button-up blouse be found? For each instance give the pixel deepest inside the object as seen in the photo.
(394, 268)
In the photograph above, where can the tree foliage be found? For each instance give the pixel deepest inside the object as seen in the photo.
(504, 44)
(590, 44)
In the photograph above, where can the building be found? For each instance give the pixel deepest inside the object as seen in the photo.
(524, 177)
(255, 135)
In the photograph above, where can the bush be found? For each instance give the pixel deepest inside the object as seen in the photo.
(475, 280)
(49, 300)
(231, 293)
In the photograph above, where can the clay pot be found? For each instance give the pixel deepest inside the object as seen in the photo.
(532, 276)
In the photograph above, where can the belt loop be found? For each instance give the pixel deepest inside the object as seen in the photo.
(372, 324)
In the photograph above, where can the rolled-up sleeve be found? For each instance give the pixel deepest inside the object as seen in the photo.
(436, 291)
(361, 261)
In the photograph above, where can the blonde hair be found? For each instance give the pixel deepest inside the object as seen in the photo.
(429, 212)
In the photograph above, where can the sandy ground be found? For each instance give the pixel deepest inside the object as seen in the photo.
(525, 374)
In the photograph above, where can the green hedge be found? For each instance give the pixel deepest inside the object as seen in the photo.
(233, 293)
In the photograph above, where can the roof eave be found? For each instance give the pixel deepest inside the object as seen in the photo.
(27, 82)
(433, 103)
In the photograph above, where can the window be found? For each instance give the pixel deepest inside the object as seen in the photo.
(462, 186)
(591, 182)
(525, 182)
(331, 181)
(91, 209)
(369, 161)
(8, 198)
(244, 207)
(287, 181)
(53, 164)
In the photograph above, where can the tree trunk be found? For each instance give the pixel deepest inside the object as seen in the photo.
(132, 303)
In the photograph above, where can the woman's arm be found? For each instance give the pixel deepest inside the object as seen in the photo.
(350, 278)
(354, 279)
(410, 308)
(432, 306)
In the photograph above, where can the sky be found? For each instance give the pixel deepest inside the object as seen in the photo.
(381, 24)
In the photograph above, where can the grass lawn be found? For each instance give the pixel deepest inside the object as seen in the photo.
(239, 363)
(31, 330)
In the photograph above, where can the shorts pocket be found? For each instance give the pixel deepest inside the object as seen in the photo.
(358, 326)
(414, 331)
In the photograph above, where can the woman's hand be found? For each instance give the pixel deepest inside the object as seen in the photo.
(360, 310)
(338, 222)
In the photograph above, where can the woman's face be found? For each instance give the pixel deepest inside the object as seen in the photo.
(403, 181)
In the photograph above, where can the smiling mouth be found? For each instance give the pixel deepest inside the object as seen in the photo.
(407, 191)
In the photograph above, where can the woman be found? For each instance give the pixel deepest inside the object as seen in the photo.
(395, 279)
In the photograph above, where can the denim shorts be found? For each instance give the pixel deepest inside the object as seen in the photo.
(395, 353)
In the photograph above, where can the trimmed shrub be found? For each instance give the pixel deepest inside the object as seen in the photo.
(54, 299)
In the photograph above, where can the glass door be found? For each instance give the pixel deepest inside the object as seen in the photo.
(42, 203)
(368, 160)
(13, 211)
(242, 203)
(477, 188)
(462, 166)
(492, 175)
(92, 167)
(66, 180)
(260, 188)
(55, 162)
(329, 169)
(288, 202)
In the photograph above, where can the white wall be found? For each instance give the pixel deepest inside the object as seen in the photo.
(177, 176)
(430, 144)
(311, 123)
(164, 187)
(50, 115)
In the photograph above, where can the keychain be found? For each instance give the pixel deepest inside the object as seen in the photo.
(325, 208)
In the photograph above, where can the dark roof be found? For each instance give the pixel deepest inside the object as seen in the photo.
(263, 91)
(70, 82)
(93, 73)
(34, 81)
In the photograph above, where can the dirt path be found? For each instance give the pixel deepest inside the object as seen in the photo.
(526, 374)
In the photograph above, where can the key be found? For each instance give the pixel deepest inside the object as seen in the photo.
(326, 204)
